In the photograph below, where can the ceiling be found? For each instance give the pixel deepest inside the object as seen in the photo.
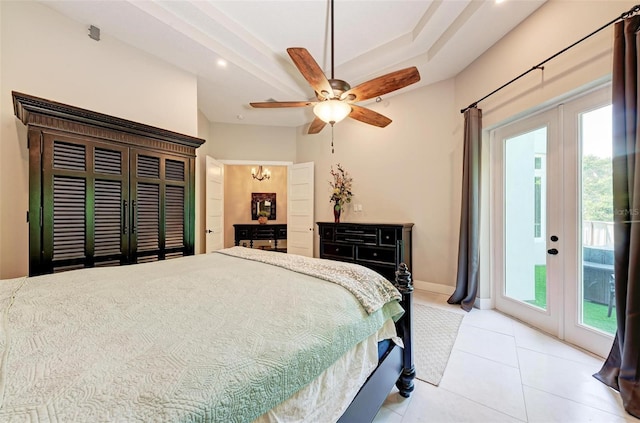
(439, 37)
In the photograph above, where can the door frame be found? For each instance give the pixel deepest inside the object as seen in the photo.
(547, 319)
(568, 209)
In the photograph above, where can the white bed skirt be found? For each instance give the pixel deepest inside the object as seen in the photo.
(327, 397)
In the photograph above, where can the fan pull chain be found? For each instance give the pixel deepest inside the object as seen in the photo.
(331, 138)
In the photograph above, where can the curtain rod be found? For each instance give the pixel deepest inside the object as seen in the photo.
(626, 14)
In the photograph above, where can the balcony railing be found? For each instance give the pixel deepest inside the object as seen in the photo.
(597, 234)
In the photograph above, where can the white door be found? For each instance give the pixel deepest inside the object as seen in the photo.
(590, 319)
(553, 220)
(214, 205)
(525, 220)
(300, 209)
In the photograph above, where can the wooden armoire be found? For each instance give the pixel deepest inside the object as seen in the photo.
(104, 191)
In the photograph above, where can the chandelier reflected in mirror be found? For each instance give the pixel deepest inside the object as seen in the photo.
(260, 174)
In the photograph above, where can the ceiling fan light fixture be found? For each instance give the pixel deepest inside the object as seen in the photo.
(332, 110)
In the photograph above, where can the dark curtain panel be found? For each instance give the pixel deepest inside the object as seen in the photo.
(620, 370)
(468, 247)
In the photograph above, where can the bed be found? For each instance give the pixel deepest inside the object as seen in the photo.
(239, 335)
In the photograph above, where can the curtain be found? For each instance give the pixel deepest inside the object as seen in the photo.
(468, 247)
(620, 370)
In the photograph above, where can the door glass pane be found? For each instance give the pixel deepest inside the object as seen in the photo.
(525, 217)
(597, 290)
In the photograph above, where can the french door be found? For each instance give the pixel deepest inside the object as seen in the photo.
(552, 220)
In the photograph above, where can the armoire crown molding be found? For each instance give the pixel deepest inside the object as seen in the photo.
(37, 111)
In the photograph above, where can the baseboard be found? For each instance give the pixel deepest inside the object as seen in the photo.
(480, 303)
(433, 287)
(483, 303)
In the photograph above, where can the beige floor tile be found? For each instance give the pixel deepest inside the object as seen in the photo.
(487, 344)
(489, 320)
(397, 403)
(567, 379)
(484, 381)
(385, 415)
(547, 381)
(535, 340)
(543, 407)
(437, 405)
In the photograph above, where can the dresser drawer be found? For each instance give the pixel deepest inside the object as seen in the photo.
(378, 246)
(388, 236)
(243, 233)
(357, 235)
(383, 255)
(336, 250)
(264, 233)
(326, 233)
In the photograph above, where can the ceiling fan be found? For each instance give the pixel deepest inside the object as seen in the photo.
(335, 97)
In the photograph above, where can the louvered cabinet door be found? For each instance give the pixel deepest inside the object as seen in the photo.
(160, 206)
(84, 204)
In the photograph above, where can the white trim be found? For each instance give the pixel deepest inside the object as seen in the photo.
(484, 303)
(434, 287)
(554, 102)
(255, 162)
(438, 288)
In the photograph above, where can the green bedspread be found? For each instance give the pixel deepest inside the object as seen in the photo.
(206, 338)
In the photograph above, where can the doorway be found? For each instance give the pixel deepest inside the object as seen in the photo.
(552, 226)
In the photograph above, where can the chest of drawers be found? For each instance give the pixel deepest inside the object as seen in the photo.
(378, 246)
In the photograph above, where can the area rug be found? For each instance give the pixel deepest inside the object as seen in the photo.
(434, 332)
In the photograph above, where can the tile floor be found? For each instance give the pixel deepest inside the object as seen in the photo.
(502, 370)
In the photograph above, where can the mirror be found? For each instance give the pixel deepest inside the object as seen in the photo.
(263, 202)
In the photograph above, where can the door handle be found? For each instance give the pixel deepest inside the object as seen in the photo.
(208, 231)
(125, 227)
(134, 217)
(553, 251)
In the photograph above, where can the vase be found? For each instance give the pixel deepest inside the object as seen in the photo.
(262, 220)
(336, 214)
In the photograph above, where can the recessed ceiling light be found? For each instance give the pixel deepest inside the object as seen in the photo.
(500, 1)
(222, 63)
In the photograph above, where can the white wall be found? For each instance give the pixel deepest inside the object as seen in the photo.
(48, 55)
(252, 142)
(201, 177)
(237, 142)
(554, 26)
(1, 130)
(551, 28)
(409, 171)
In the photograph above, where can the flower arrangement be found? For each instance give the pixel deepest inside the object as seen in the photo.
(263, 217)
(341, 185)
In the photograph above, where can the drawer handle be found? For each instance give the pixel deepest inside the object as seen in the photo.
(375, 254)
(386, 237)
(337, 249)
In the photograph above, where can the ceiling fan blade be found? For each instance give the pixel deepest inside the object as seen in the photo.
(369, 116)
(277, 104)
(382, 85)
(309, 68)
(316, 126)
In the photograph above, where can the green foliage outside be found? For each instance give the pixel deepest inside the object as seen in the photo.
(594, 315)
(597, 189)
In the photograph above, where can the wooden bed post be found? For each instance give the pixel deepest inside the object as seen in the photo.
(404, 284)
